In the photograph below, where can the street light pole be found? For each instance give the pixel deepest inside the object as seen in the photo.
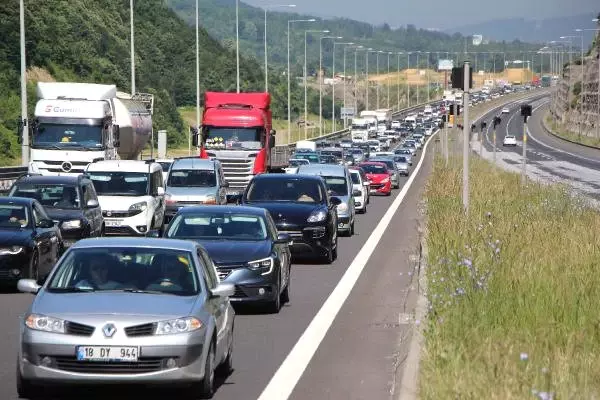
(265, 40)
(321, 80)
(418, 75)
(24, 117)
(388, 81)
(305, 83)
(407, 83)
(333, 84)
(377, 87)
(289, 86)
(237, 44)
(197, 78)
(398, 86)
(132, 44)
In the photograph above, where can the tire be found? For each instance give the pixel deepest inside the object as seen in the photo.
(275, 305)
(352, 229)
(389, 193)
(34, 266)
(25, 389)
(226, 367)
(207, 386)
(334, 254)
(285, 295)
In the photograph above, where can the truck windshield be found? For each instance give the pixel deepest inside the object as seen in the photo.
(360, 127)
(68, 136)
(233, 138)
(120, 183)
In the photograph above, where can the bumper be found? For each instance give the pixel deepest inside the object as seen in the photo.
(13, 267)
(57, 363)
(403, 172)
(381, 188)
(250, 286)
(344, 222)
(137, 225)
(309, 241)
(69, 237)
(360, 202)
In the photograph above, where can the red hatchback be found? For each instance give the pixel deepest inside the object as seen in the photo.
(379, 176)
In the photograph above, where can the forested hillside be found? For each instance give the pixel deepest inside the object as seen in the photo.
(88, 41)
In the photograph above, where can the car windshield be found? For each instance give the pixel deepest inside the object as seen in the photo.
(356, 151)
(388, 162)
(135, 269)
(374, 169)
(218, 226)
(50, 196)
(285, 189)
(336, 185)
(118, 183)
(298, 162)
(166, 165)
(13, 216)
(192, 178)
(400, 159)
(311, 157)
(355, 178)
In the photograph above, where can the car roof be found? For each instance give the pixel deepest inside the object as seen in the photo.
(275, 177)
(322, 169)
(124, 165)
(193, 163)
(22, 201)
(51, 179)
(140, 242)
(373, 163)
(224, 209)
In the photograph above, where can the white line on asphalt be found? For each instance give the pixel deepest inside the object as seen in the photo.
(283, 382)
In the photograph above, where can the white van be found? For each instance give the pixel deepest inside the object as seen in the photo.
(131, 194)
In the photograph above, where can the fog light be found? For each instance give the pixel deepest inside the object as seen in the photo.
(142, 228)
(171, 363)
(46, 361)
(15, 272)
(261, 291)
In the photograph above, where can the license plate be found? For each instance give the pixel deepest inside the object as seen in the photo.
(114, 222)
(107, 353)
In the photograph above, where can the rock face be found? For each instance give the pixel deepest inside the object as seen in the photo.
(576, 102)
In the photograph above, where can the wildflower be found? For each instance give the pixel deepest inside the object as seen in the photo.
(488, 214)
(524, 357)
(467, 262)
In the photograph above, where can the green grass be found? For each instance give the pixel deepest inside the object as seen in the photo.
(559, 130)
(518, 278)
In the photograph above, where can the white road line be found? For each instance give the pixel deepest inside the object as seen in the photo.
(554, 148)
(283, 382)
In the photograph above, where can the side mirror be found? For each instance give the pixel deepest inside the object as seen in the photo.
(28, 286)
(160, 191)
(155, 233)
(223, 290)
(195, 140)
(116, 133)
(45, 224)
(273, 132)
(335, 201)
(356, 192)
(367, 183)
(283, 238)
(271, 141)
(93, 203)
(234, 198)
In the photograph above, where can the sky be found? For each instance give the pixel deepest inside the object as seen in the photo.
(438, 14)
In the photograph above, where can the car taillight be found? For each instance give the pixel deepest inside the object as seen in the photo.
(169, 199)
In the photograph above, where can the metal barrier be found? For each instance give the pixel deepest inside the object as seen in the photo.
(8, 175)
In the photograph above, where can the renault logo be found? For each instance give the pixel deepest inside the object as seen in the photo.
(109, 330)
(66, 166)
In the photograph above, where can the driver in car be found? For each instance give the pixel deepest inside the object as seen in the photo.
(98, 270)
(173, 271)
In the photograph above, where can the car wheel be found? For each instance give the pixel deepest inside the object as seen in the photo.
(352, 229)
(275, 305)
(34, 267)
(226, 367)
(102, 231)
(389, 193)
(25, 389)
(285, 295)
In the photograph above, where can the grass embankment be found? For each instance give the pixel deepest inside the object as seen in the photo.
(559, 130)
(513, 290)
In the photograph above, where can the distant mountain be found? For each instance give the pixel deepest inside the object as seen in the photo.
(530, 29)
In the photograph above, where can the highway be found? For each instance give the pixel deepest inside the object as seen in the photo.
(365, 342)
(549, 159)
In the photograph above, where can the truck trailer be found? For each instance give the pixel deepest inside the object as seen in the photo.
(78, 123)
(236, 130)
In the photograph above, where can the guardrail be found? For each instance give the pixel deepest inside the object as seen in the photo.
(281, 154)
(8, 175)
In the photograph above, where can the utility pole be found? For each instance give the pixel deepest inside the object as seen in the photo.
(466, 136)
(525, 113)
(197, 79)
(132, 44)
(24, 121)
(237, 44)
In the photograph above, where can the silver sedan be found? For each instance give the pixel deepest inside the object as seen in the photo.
(127, 310)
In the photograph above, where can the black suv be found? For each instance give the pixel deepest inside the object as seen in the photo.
(301, 208)
(70, 201)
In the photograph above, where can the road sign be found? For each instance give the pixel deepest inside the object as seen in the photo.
(445, 65)
(347, 112)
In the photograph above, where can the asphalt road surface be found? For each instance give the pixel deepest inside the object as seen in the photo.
(549, 158)
(361, 354)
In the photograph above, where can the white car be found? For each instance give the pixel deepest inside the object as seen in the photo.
(505, 110)
(509, 140)
(358, 183)
(294, 164)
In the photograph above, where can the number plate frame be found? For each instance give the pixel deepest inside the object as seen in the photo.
(114, 222)
(107, 353)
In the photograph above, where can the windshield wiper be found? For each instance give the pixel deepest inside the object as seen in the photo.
(47, 146)
(139, 291)
(72, 289)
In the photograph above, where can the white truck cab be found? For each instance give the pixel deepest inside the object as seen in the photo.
(131, 194)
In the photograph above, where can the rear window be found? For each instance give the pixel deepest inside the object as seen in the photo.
(192, 178)
(285, 189)
(374, 169)
(355, 178)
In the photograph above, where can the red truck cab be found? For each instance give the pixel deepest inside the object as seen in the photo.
(236, 130)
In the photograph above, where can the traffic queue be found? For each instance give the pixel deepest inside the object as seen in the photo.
(136, 265)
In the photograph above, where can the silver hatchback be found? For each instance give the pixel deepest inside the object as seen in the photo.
(127, 310)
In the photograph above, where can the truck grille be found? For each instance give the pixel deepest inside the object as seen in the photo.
(238, 171)
(77, 167)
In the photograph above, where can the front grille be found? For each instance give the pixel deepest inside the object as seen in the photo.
(239, 292)
(237, 171)
(140, 330)
(5, 274)
(377, 186)
(225, 270)
(73, 328)
(120, 214)
(143, 365)
(318, 232)
(293, 234)
(119, 230)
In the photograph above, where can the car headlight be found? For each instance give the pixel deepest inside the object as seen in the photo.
(343, 207)
(141, 206)
(317, 216)
(386, 180)
(45, 323)
(265, 265)
(179, 325)
(12, 250)
(210, 199)
(72, 224)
